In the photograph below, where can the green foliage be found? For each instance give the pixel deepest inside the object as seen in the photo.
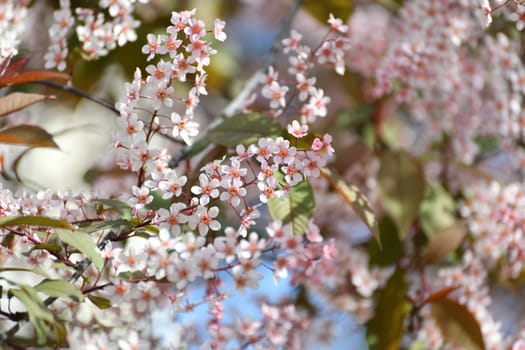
(401, 185)
(391, 249)
(159, 202)
(33, 221)
(457, 324)
(486, 143)
(417, 345)
(135, 275)
(60, 289)
(356, 116)
(322, 9)
(37, 270)
(117, 225)
(55, 248)
(244, 129)
(437, 209)
(387, 328)
(100, 302)
(83, 243)
(197, 147)
(296, 209)
(121, 208)
(39, 316)
(303, 143)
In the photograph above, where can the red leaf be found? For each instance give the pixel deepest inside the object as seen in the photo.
(440, 294)
(443, 243)
(28, 135)
(458, 324)
(4, 64)
(15, 67)
(33, 75)
(19, 100)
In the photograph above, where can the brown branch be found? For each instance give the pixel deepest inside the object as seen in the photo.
(75, 91)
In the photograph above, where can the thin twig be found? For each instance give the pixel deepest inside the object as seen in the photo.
(236, 104)
(73, 90)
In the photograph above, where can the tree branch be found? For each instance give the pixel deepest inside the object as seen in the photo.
(73, 90)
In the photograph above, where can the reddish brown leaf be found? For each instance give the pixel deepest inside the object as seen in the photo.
(4, 64)
(458, 324)
(19, 100)
(33, 75)
(440, 294)
(443, 243)
(28, 135)
(15, 67)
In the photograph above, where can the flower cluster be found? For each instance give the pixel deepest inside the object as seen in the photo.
(188, 235)
(468, 282)
(432, 67)
(97, 32)
(183, 242)
(12, 25)
(302, 59)
(495, 219)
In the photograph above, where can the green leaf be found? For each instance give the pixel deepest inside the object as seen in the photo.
(197, 147)
(457, 324)
(244, 129)
(355, 117)
(34, 221)
(486, 143)
(303, 143)
(128, 275)
(443, 243)
(37, 312)
(417, 345)
(83, 243)
(122, 208)
(159, 202)
(358, 201)
(116, 225)
(17, 269)
(60, 334)
(49, 247)
(296, 209)
(100, 302)
(60, 289)
(19, 100)
(27, 135)
(322, 9)
(387, 328)
(401, 185)
(392, 248)
(437, 209)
